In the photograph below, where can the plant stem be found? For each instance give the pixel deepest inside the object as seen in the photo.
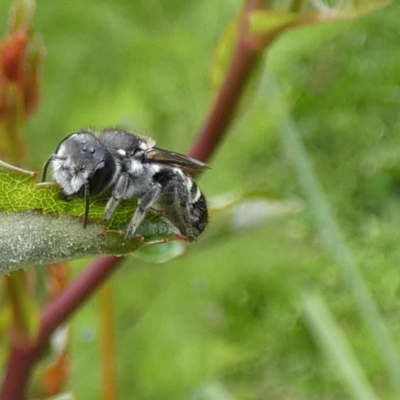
(57, 312)
(222, 110)
(23, 358)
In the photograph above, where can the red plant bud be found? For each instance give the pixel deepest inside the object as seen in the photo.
(12, 54)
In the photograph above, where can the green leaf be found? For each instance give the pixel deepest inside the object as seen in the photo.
(162, 252)
(353, 8)
(212, 391)
(38, 227)
(266, 24)
(223, 53)
(265, 21)
(62, 396)
(236, 212)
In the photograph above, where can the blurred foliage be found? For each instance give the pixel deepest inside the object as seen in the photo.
(225, 321)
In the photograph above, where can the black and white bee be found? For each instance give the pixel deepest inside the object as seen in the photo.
(130, 166)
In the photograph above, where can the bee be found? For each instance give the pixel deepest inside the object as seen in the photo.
(131, 166)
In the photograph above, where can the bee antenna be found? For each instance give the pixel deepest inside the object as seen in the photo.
(45, 166)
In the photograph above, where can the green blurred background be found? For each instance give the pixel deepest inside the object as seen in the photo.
(225, 321)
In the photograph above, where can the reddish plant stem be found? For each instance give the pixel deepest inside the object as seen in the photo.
(23, 358)
(222, 111)
(58, 311)
(18, 370)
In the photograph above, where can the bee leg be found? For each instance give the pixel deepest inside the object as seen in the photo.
(45, 167)
(146, 201)
(117, 195)
(174, 200)
(183, 202)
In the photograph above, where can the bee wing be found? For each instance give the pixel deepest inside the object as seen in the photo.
(173, 159)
